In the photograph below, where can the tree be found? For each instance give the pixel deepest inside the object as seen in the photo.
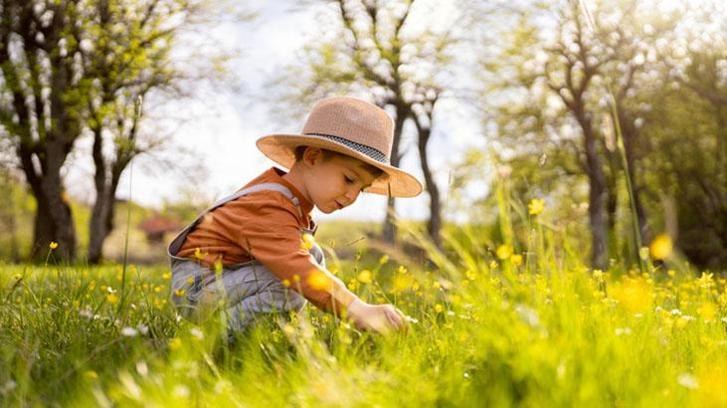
(579, 61)
(72, 67)
(42, 103)
(129, 60)
(380, 56)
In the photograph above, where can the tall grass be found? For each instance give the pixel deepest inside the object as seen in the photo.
(498, 323)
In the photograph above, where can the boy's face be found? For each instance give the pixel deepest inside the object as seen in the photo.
(334, 182)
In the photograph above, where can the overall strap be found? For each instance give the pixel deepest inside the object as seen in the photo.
(176, 244)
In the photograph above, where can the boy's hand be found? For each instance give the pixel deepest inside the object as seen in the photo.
(381, 318)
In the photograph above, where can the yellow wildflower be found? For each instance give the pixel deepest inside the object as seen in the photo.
(175, 343)
(384, 259)
(167, 276)
(53, 245)
(319, 281)
(706, 281)
(112, 298)
(438, 308)
(661, 247)
(198, 254)
(516, 259)
(707, 311)
(286, 283)
(536, 206)
(402, 283)
(504, 251)
(307, 242)
(365, 276)
(634, 295)
(179, 292)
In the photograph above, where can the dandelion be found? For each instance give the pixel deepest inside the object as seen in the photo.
(318, 280)
(53, 245)
(179, 292)
(167, 276)
(536, 206)
(504, 251)
(707, 311)
(516, 259)
(402, 283)
(307, 242)
(438, 308)
(286, 283)
(112, 298)
(634, 295)
(365, 276)
(175, 344)
(706, 281)
(661, 247)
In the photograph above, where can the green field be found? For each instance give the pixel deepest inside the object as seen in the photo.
(495, 326)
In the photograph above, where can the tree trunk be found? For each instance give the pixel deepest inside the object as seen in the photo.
(597, 193)
(53, 222)
(434, 224)
(98, 227)
(389, 228)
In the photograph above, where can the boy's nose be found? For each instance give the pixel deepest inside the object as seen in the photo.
(351, 195)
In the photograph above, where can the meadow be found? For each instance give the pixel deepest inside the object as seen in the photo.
(519, 322)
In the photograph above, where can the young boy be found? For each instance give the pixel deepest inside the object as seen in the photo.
(253, 252)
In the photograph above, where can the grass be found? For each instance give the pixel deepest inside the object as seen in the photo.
(523, 323)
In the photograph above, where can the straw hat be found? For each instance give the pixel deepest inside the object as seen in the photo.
(355, 128)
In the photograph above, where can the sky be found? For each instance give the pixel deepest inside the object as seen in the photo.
(221, 127)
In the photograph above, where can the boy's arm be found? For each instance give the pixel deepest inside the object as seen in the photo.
(274, 239)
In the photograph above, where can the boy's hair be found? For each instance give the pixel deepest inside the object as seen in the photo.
(329, 154)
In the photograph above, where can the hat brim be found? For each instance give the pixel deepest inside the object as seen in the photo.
(280, 148)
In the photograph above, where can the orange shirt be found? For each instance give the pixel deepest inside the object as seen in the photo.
(266, 226)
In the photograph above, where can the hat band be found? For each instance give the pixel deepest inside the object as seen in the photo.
(363, 149)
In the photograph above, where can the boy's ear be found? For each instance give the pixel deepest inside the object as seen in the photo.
(312, 155)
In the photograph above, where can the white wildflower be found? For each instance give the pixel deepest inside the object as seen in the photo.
(687, 380)
(129, 332)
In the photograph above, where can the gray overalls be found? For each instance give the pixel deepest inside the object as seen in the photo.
(244, 290)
